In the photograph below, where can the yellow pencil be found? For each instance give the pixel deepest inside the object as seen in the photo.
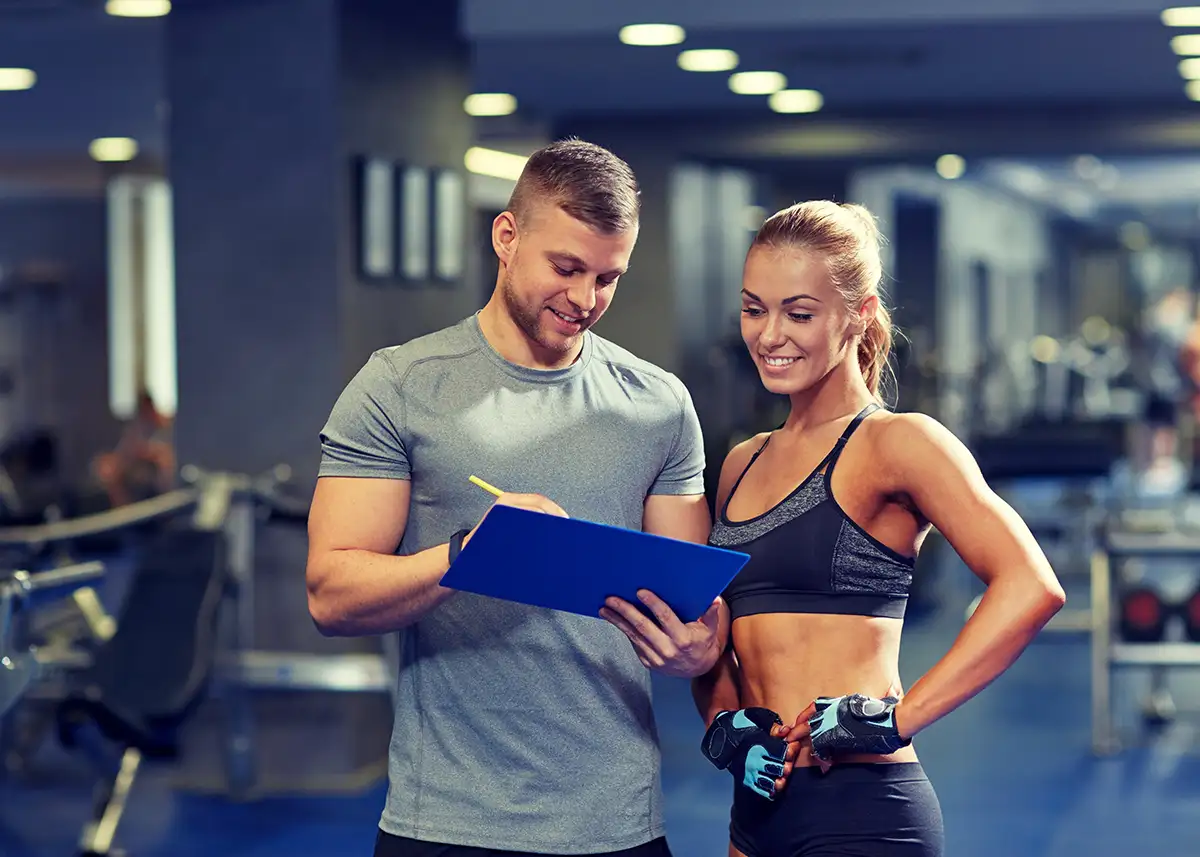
(491, 489)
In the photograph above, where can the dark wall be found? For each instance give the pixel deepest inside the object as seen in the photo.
(273, 317)
(253, 141)
(404, 75)
(60, 243)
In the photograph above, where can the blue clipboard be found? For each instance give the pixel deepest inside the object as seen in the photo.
(573, 565)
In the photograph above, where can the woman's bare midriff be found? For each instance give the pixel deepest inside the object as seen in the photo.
(787, 660)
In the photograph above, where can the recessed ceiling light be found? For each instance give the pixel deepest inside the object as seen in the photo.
(1193, 90)
(1182, 16)
(14, 79)
(137, 8)
(1186, 46)
(757, 82)
(951, 166)
(113, 149)
(708, 59)
(492, 162)
(652, 34)
(796, 101)
(490, 104)
(1189, 69)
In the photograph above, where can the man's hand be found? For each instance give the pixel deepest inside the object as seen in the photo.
(669, 646)
(532, 502)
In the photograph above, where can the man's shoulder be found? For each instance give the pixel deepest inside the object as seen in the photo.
(457, 340)
(630, 367)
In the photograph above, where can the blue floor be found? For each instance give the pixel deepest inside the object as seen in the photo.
(1013, 769)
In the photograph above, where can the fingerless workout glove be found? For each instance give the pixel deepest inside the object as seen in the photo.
(855, 724)
(741, 742)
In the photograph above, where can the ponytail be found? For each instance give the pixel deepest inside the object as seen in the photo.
(874, 348)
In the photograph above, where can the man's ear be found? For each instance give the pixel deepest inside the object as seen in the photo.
(505, 236)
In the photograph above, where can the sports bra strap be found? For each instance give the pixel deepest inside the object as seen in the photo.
(745, 470)
(826, 463)
(836, 452)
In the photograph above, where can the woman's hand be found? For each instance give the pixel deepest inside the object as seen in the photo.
(861, 723)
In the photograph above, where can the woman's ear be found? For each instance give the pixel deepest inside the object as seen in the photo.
(866, 313)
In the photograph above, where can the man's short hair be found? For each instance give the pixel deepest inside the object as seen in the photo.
(586, 181)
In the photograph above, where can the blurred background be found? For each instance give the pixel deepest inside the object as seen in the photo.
(213, 211)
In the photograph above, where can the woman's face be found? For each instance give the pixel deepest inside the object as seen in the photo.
(795, 323)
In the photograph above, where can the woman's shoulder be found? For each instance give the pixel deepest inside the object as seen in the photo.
(736, 462)
(897, 426)
(740, 453)
(902, 440)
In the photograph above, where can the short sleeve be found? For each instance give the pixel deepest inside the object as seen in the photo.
(684, 470)
(364, 434)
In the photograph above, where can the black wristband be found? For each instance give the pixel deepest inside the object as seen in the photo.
(456, 541)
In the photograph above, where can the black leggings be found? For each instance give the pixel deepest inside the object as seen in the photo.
(855, 810)
(387, 845)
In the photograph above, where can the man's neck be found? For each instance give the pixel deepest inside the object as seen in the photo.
(515, 346)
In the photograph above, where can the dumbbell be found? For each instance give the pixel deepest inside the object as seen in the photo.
(1190, 611)
(1143, 615)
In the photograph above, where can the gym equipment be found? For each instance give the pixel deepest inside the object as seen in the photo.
(1076, 459)
(150, 676)
(22, 591)
(235, 504)
(1190, 611)
(1142, 615)
(1099, 355)
(1108, 651)
(16, 675)
(1047, 450)
(1075, 378)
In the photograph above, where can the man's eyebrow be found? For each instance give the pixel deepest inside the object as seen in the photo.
(574, 261)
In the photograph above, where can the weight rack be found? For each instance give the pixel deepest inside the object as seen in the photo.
(1109, 653)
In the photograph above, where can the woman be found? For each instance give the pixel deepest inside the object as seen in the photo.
(832, 508)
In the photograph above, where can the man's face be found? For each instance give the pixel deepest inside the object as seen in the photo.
(558, 274)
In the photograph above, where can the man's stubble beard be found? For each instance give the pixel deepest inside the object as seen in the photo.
(530, 320)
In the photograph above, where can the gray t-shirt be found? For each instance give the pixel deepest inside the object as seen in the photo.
(518, 728)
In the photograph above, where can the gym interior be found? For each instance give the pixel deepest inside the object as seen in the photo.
(174, 177)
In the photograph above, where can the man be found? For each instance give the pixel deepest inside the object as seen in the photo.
(517, 729)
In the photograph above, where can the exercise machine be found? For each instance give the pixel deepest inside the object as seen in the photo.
(20, 592)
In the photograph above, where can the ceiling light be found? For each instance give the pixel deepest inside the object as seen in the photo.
(757, 82)
(796, 101)
(1182, 16)
(1189, 69)
(490, 104)
(1134, 235)
(950, 166)
(651, 34)
(1088, 167)
(1193, 90)
(13, 79)
(138, 8)
(113, 149)
(490, 162)
(1186, 46)
(706, 59)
